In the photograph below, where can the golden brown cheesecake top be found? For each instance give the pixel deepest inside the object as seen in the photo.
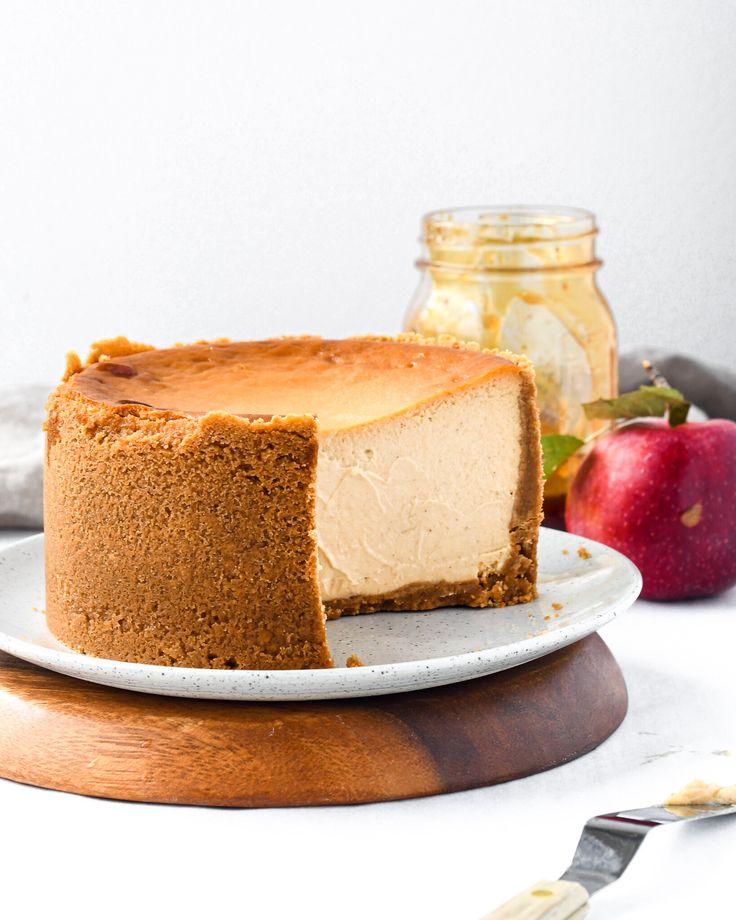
(344, 383)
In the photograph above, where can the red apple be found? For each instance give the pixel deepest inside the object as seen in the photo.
(666, 498)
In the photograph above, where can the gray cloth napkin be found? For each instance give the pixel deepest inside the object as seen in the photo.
(21, 414)
(21, 455)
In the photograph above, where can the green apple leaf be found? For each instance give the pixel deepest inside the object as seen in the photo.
(556, 448)
(646, 401)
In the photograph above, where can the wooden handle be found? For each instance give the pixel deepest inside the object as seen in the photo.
(545, 901)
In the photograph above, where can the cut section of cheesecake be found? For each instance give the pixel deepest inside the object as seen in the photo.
(204, 502)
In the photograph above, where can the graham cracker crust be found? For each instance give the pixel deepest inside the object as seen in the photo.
(179, 541)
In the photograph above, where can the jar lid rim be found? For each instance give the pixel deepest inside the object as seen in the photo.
(504, 224)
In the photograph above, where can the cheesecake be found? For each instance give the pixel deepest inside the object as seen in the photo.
(210, 505)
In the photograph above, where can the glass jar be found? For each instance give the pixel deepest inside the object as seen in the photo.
(523, 278)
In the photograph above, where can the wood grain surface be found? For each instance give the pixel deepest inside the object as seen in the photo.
(78, 737)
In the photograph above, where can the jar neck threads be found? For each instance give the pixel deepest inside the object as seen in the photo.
(509, 238)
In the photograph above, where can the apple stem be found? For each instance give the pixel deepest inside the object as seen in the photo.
(657, 379)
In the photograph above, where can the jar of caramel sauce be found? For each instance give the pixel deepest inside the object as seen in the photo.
(524, 278)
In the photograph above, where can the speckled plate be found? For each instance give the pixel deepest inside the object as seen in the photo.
(582, 585)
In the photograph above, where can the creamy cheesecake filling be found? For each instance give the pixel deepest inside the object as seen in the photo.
(425, 497)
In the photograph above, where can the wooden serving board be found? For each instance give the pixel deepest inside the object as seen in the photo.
(65, 734)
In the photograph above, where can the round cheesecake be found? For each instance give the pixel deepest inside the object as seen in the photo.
(209, 505)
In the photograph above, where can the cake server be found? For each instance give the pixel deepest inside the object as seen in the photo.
(607, 845)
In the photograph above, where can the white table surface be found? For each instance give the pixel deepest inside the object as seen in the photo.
(450, 857)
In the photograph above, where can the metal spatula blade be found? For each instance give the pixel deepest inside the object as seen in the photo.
(606, 847)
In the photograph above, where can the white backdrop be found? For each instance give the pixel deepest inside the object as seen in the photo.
(190, 169)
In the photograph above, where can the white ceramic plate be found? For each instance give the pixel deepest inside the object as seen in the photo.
(400, 651)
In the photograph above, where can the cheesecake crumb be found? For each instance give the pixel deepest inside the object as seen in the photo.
(354, 662)
(73, 365)
(698, 792)
(547, 616)
(583, 552)
(556, 606)
(565, 552)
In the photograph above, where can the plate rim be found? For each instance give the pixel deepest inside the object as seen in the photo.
(90, 668)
